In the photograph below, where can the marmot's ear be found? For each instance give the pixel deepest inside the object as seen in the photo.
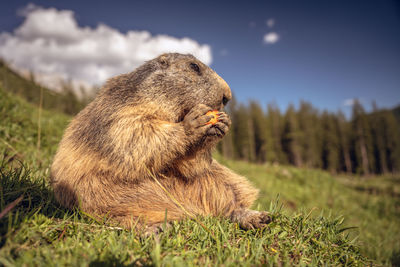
(163, 60)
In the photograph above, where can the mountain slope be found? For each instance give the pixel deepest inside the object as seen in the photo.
(65, 101)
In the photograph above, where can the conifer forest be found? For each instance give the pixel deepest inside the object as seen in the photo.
(365, 143)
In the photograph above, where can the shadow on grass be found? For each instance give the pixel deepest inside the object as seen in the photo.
(376, 191)
(17, 181)
(111, 262)
(115, 262)
(395, 258)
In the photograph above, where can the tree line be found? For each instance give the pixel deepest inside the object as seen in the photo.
(305, 137)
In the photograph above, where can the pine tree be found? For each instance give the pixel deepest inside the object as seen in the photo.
(261, 131)
(330, 143)
(243, 134)
(362, 140)
(290, 139)
(378, 131)
(344, 132)
(392, 141)
(310, 135)
(275, 122)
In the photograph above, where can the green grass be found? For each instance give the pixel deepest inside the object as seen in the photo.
(312, 216)
(370, 204)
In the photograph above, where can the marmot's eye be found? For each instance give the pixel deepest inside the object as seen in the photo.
(195, 67)
(225, 100)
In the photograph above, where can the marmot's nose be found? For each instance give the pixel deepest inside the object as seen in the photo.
(227, 94)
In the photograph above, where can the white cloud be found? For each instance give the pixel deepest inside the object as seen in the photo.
(271, 38)
(51, 43)
(270, 22)
(349, 102)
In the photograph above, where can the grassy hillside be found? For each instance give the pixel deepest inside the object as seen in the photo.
(65, 101)
(314, 226)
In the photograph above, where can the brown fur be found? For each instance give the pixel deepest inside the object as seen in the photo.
(148, 124)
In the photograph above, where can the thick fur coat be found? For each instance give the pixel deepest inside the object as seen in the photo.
(146, 133)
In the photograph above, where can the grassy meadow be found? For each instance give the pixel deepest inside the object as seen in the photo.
(318, 219)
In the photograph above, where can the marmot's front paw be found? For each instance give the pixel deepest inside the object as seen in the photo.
(220, 128)
(251, 219)
(195, 122)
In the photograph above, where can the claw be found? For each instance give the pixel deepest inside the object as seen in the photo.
(251, 219)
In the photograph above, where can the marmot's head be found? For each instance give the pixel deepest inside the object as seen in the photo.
(176, 80)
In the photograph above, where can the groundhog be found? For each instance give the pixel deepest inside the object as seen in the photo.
(141, 150)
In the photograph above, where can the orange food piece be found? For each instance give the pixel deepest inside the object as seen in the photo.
(214, 120)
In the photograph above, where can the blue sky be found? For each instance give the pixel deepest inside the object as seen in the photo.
(327, 52)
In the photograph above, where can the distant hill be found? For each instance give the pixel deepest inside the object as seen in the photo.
(66, 101)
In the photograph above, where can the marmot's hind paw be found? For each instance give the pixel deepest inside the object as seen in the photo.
(251, 219)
